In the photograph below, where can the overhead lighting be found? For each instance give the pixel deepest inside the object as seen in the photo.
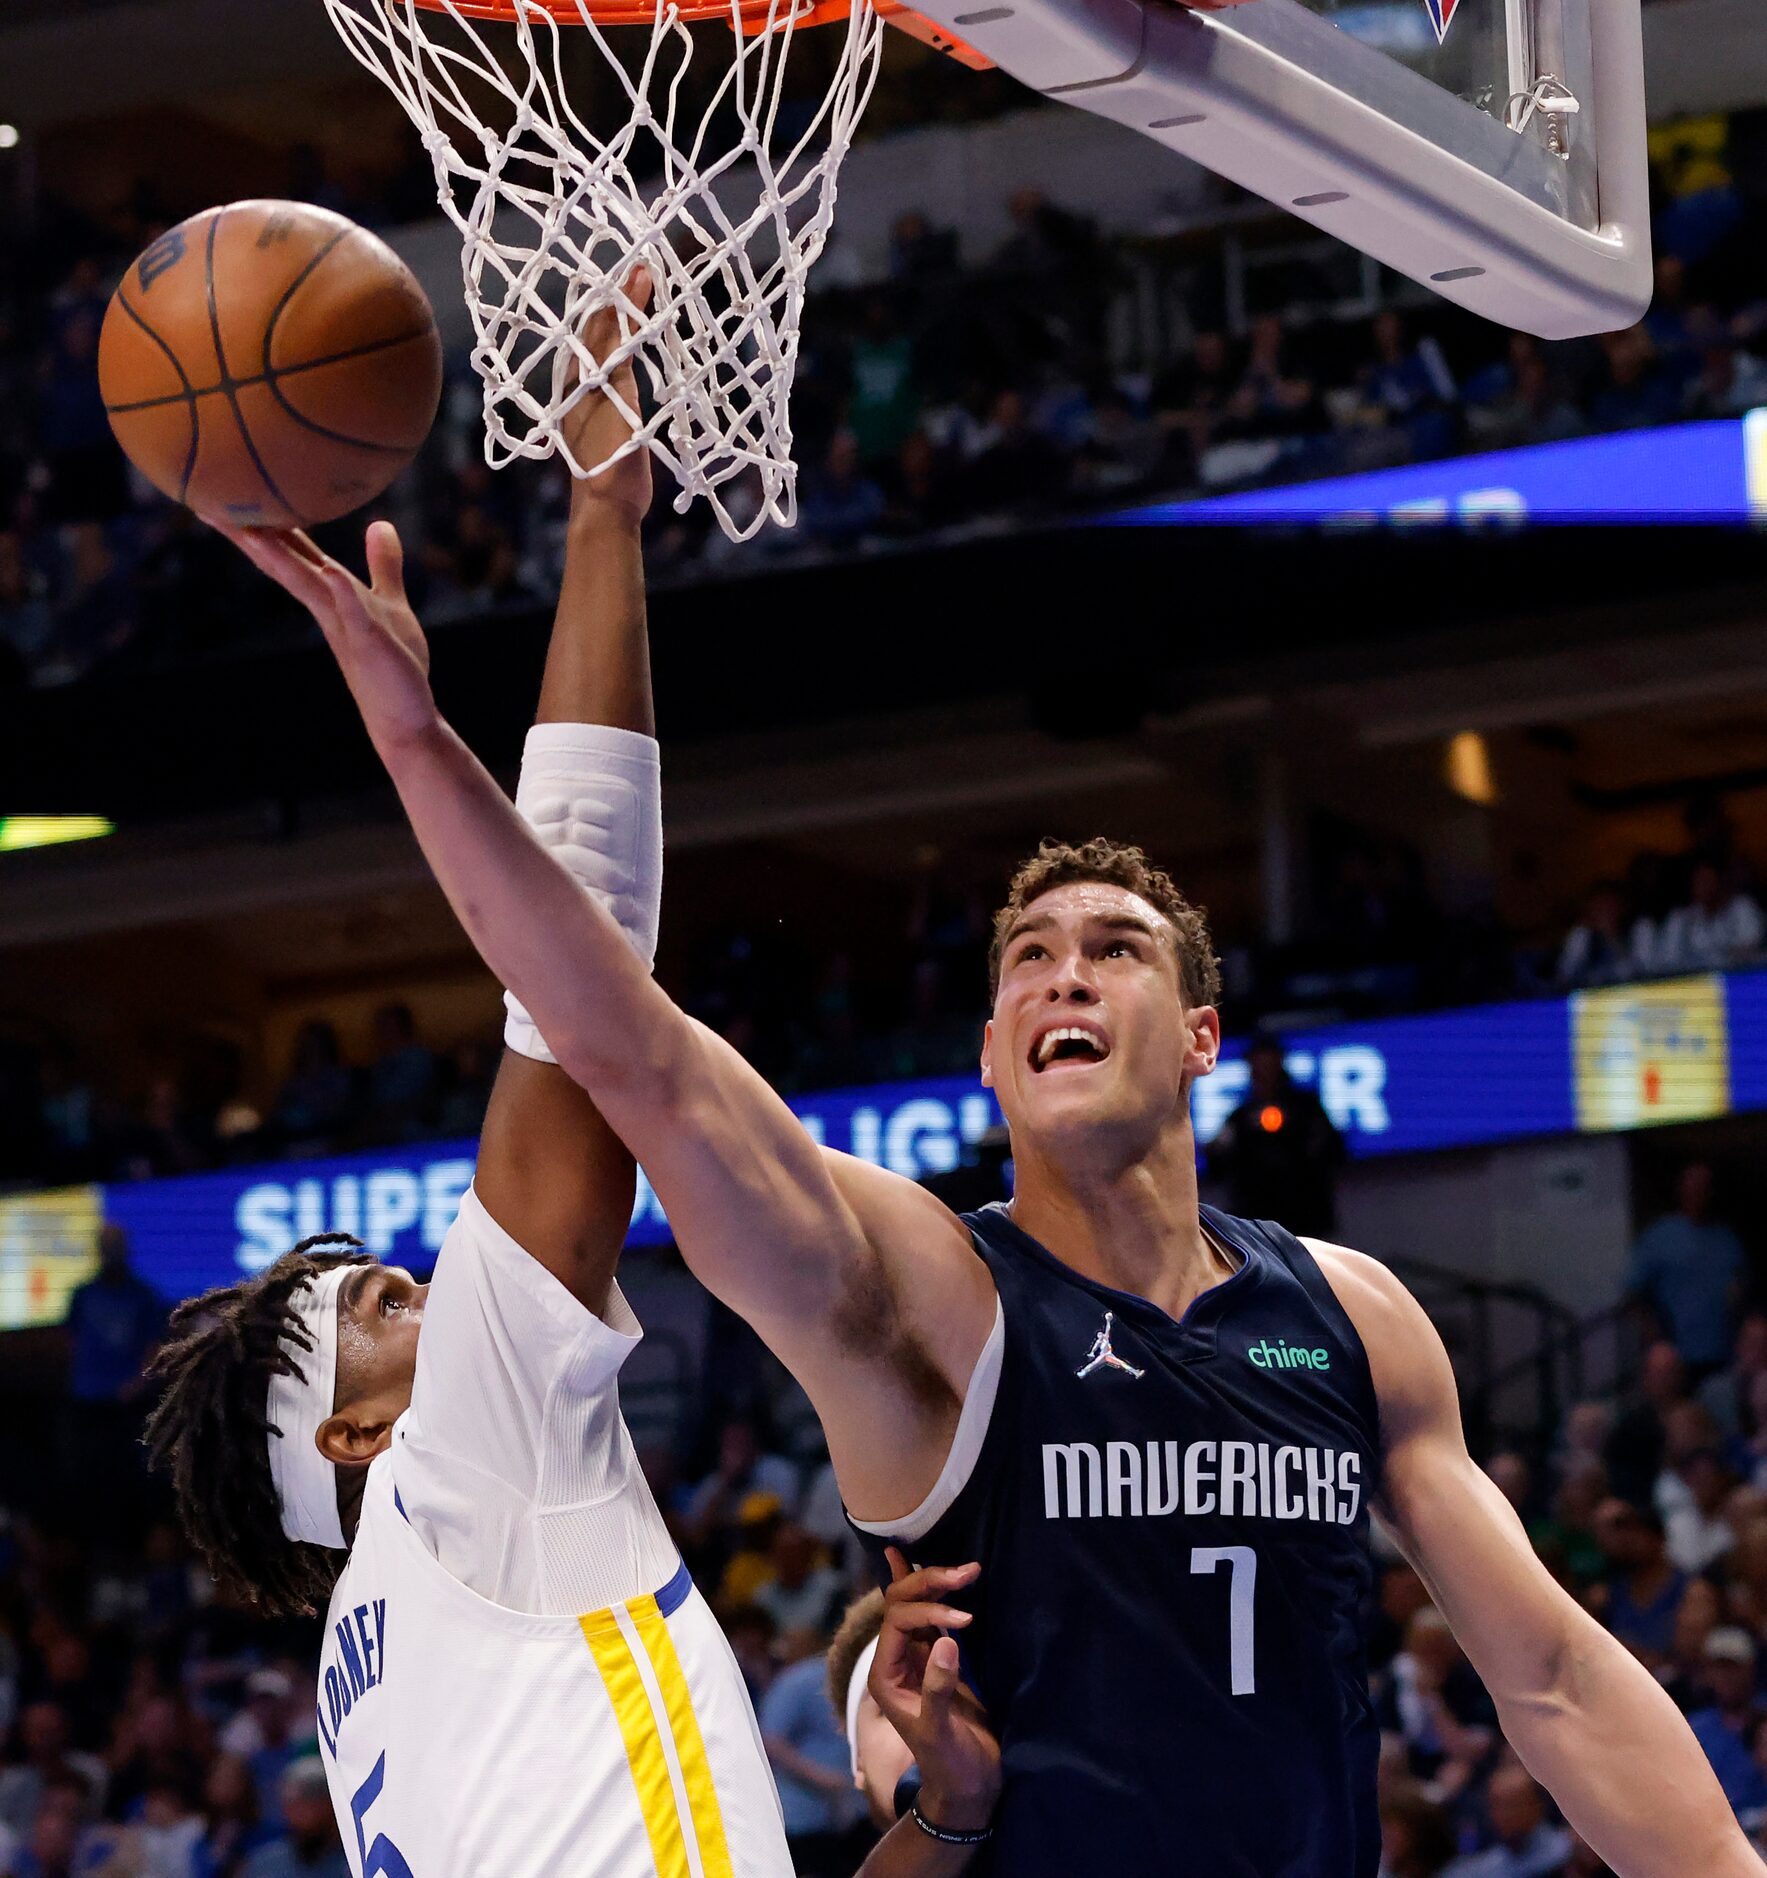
(48, 831)
(8, 136)
(1468, 768)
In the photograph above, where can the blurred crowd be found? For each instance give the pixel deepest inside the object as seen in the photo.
(952, 392)
(1373, 942)
(150, 1730)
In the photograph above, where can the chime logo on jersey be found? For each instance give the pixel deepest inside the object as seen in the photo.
(1442, 14)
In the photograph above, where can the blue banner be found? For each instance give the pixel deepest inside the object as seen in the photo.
(1618, 1058)
(1712, 472)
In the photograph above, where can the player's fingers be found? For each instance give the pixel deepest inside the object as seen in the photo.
(637, 286)
(931, 1581)
(925, 1615)
(898, 1565)
(939, 1684)
(386, 560)
(268, 550)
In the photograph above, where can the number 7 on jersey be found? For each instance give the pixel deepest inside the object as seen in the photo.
(1242, 1562)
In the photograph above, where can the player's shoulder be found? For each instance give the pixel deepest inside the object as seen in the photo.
(891, 1202)
(1356, 1277)
(1406, 1358)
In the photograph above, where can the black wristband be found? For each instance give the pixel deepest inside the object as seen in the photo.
(942, 1835)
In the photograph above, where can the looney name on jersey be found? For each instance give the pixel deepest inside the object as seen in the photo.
(355, 1661)
(1236, 1479)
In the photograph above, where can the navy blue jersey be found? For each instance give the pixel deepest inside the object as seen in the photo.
(1172, 1522)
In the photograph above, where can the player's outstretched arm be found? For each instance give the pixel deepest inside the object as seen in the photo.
(551, 1172)
(1588, 1720)
(865, 1286)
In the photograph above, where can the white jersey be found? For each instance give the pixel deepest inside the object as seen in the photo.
(519, 1679)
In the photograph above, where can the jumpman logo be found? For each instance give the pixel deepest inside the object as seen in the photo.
(1102, 1356)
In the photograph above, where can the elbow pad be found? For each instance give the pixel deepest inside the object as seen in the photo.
(593, 796)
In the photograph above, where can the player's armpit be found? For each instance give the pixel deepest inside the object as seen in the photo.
(1588, 1720)
(864, 1285)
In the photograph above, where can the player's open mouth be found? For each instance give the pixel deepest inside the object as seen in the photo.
(1068, 1043)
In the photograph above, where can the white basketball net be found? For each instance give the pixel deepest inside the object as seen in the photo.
(553, 218)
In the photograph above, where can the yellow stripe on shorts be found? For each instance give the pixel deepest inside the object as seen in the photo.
(641, 1729)
(690, 1748)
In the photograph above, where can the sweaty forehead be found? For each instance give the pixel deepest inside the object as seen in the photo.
(1079, 900)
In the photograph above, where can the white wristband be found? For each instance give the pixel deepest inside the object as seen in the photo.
(593, 795)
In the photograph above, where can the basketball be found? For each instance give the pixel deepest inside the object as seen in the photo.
(270, 364)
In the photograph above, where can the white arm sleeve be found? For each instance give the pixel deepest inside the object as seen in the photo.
(593, 795)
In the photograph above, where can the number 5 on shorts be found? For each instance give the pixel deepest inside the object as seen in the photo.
(383, 1859)
(1243, 1562)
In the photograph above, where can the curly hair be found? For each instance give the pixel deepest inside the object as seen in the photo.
(1060, 864)
(209, 1426)
(858, 1628)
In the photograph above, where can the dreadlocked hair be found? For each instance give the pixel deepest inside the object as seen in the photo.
(209, 1429)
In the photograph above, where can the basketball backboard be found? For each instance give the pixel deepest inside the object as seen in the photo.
(1492, 149)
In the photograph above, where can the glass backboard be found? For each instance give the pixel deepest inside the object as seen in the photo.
(1492, 149)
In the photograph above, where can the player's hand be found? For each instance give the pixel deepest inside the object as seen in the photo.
(915, 1681)
(371, 629)
(595, 426)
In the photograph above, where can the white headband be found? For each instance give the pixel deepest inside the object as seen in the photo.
(855, 1689)
(305, 1481)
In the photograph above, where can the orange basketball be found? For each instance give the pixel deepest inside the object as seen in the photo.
(270, 363)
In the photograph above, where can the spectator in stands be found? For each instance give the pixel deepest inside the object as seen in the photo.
(920, 253)
(751, 1637)
(918, 487)
(808, 1753)
(1719, 927)
(1643, 1590)
(1524, 1843)
(1698, 1532)
(1520, 401)
(160, 1744)
(233, 1827)
(1598, 949)
(114, 1322)
(1416, 1835)
(310, 1846)
(402, 1079)
(1729, 382)
(1122, 450)
(26, 622)
(804, 1592)
(54, 1841)
(1633, 390)
(1725, 1726)
(1436, 1707)
(313, 1106)
(711, 1515)
(1407, 386)
(268, 1735)
(1010, 464)
(883, 404)
(1728, 1394)
(1046, 243)
(1699, 1613)
(1688, 1271)
(84, 468)
(1279, 1151)
(48, 1761)
(842, 505)
(1190, 398)
(1567, 1538)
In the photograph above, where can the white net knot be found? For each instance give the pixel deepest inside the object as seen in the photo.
(699, 185)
